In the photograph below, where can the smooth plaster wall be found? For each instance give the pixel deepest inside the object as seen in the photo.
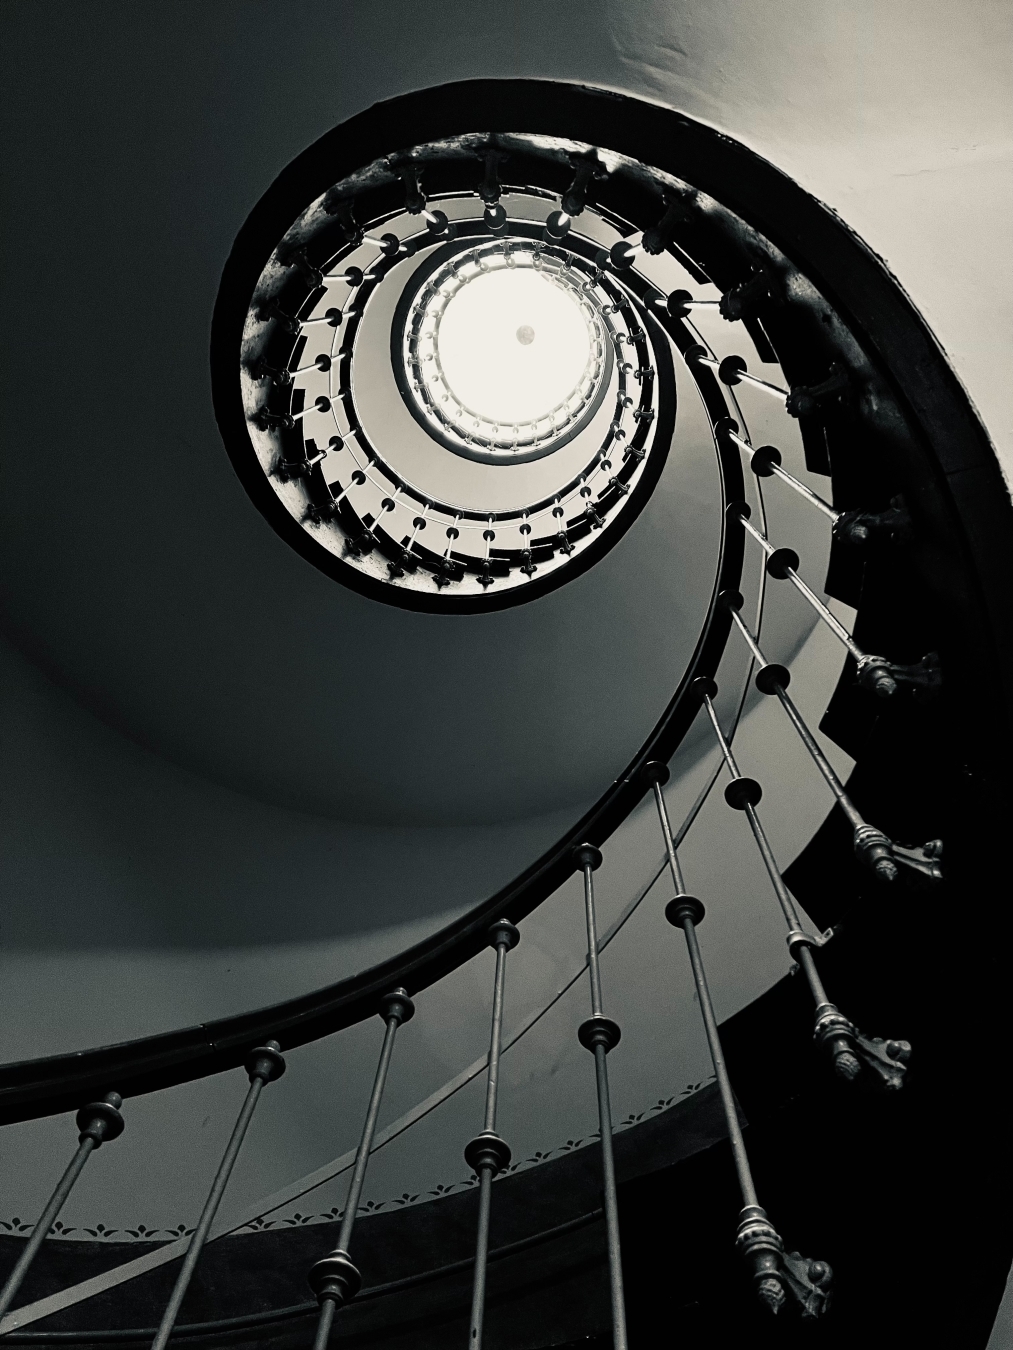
(897, 113)
(157, 1173)
(109, 849)
(148, 134)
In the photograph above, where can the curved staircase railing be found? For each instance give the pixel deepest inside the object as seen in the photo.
(881, 415)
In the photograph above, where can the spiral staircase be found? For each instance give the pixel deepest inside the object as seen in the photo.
(500, 838)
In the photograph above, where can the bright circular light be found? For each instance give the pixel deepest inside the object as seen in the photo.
(513, 345)
(504, 350)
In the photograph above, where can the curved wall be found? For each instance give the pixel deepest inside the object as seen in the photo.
(146, 135)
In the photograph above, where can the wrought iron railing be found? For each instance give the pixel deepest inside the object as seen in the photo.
(781, 310)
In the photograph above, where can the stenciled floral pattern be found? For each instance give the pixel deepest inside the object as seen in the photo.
(140, 1233)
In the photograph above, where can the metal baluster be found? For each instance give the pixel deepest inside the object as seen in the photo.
(265, 419)
(98, 1123)
(766, 462)
(874, 848)
(832, 1030)
(871, 845)
(263, 1065)
(320, 404)
(732, 371)
(874, 672)
(487, 1153)
(334, 1278)
(678, 304)
(319, 363)
(448, 570)
(287, 469)
(600, 1034)
(774, 1271)
(654, 240)
(352, 276)
(332, 318)
(489, 191)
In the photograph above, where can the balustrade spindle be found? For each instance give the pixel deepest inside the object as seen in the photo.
(266, 419)
(410, 174)
(875, 849)
(99, 1123)
(586, 170)
(334, 1279)
(653, 240)
(287, 469)
(263, 1065)
(678, 304)
(600, 1034)
(489, 191)
(874, 672)
(774, 1271)
(332, 317)
(319, 363)
(732, 370)
(765, 462)
(871, 845)
(352, 276)
(832, 1030)
(487, 1153)
(320, 404)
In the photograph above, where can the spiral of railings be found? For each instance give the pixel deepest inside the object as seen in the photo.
(295, 302)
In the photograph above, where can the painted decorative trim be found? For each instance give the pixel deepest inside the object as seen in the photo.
(140, 1233)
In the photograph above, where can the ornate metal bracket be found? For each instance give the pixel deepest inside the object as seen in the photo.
(808, 1282)
(343, 209)
(403, 564)
(924, 678)
(267, 420)
(883, 677)
(887, 1059)
(489, 189)
(923, 859)
(586, 171)
(659, 236)
(883, 855)
(776, 1272)
(273, 311)
(807, 399)
(312, 275)
(288, 469)
(260, 370)
(449, 571)
(744, 299)
(362, 544)
(410, 173)
(860, 527)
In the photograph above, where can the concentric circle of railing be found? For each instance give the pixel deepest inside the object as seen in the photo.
(870, 420)
(433, 393)
(399, 524)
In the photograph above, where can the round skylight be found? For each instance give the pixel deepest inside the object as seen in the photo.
(456, 407)
(513, 346)
(504, 351)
